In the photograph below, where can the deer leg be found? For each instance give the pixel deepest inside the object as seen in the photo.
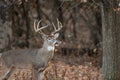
(41, 73)
(35, 74)
(40, 76)
(8, 73)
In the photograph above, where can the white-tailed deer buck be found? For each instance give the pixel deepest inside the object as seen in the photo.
(37, 58)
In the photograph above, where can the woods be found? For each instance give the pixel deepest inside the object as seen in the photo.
(89, 36)
(81, 29)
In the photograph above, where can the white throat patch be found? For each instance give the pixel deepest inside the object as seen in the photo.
(50, 48)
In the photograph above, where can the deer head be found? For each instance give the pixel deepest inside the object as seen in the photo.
(50, 40)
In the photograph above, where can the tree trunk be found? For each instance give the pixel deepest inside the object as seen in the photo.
(111, 39)
(38, 9)
(5, 25)
(25, 11)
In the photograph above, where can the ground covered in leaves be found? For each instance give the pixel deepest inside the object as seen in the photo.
(64, 67)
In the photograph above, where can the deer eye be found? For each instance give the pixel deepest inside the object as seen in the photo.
(49, 39)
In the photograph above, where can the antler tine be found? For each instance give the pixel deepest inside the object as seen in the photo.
(59, 26)
(37, 29)
(35, 26)
(54, 26)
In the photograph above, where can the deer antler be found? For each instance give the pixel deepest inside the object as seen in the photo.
(59, 27)
(36, 27)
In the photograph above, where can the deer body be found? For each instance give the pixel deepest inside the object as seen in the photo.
(36, 58)
(27, 57)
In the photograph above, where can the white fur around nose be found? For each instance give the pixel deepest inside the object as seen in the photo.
(50, 48)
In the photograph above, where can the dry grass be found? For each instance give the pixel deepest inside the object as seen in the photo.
(61, 71)
(21, 74)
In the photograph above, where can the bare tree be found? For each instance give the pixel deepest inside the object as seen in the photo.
(111, 39)
(25, 11)
(5, 24)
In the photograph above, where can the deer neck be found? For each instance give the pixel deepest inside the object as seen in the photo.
(48, 50)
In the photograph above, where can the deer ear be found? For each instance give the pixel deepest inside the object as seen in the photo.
(56, 35)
